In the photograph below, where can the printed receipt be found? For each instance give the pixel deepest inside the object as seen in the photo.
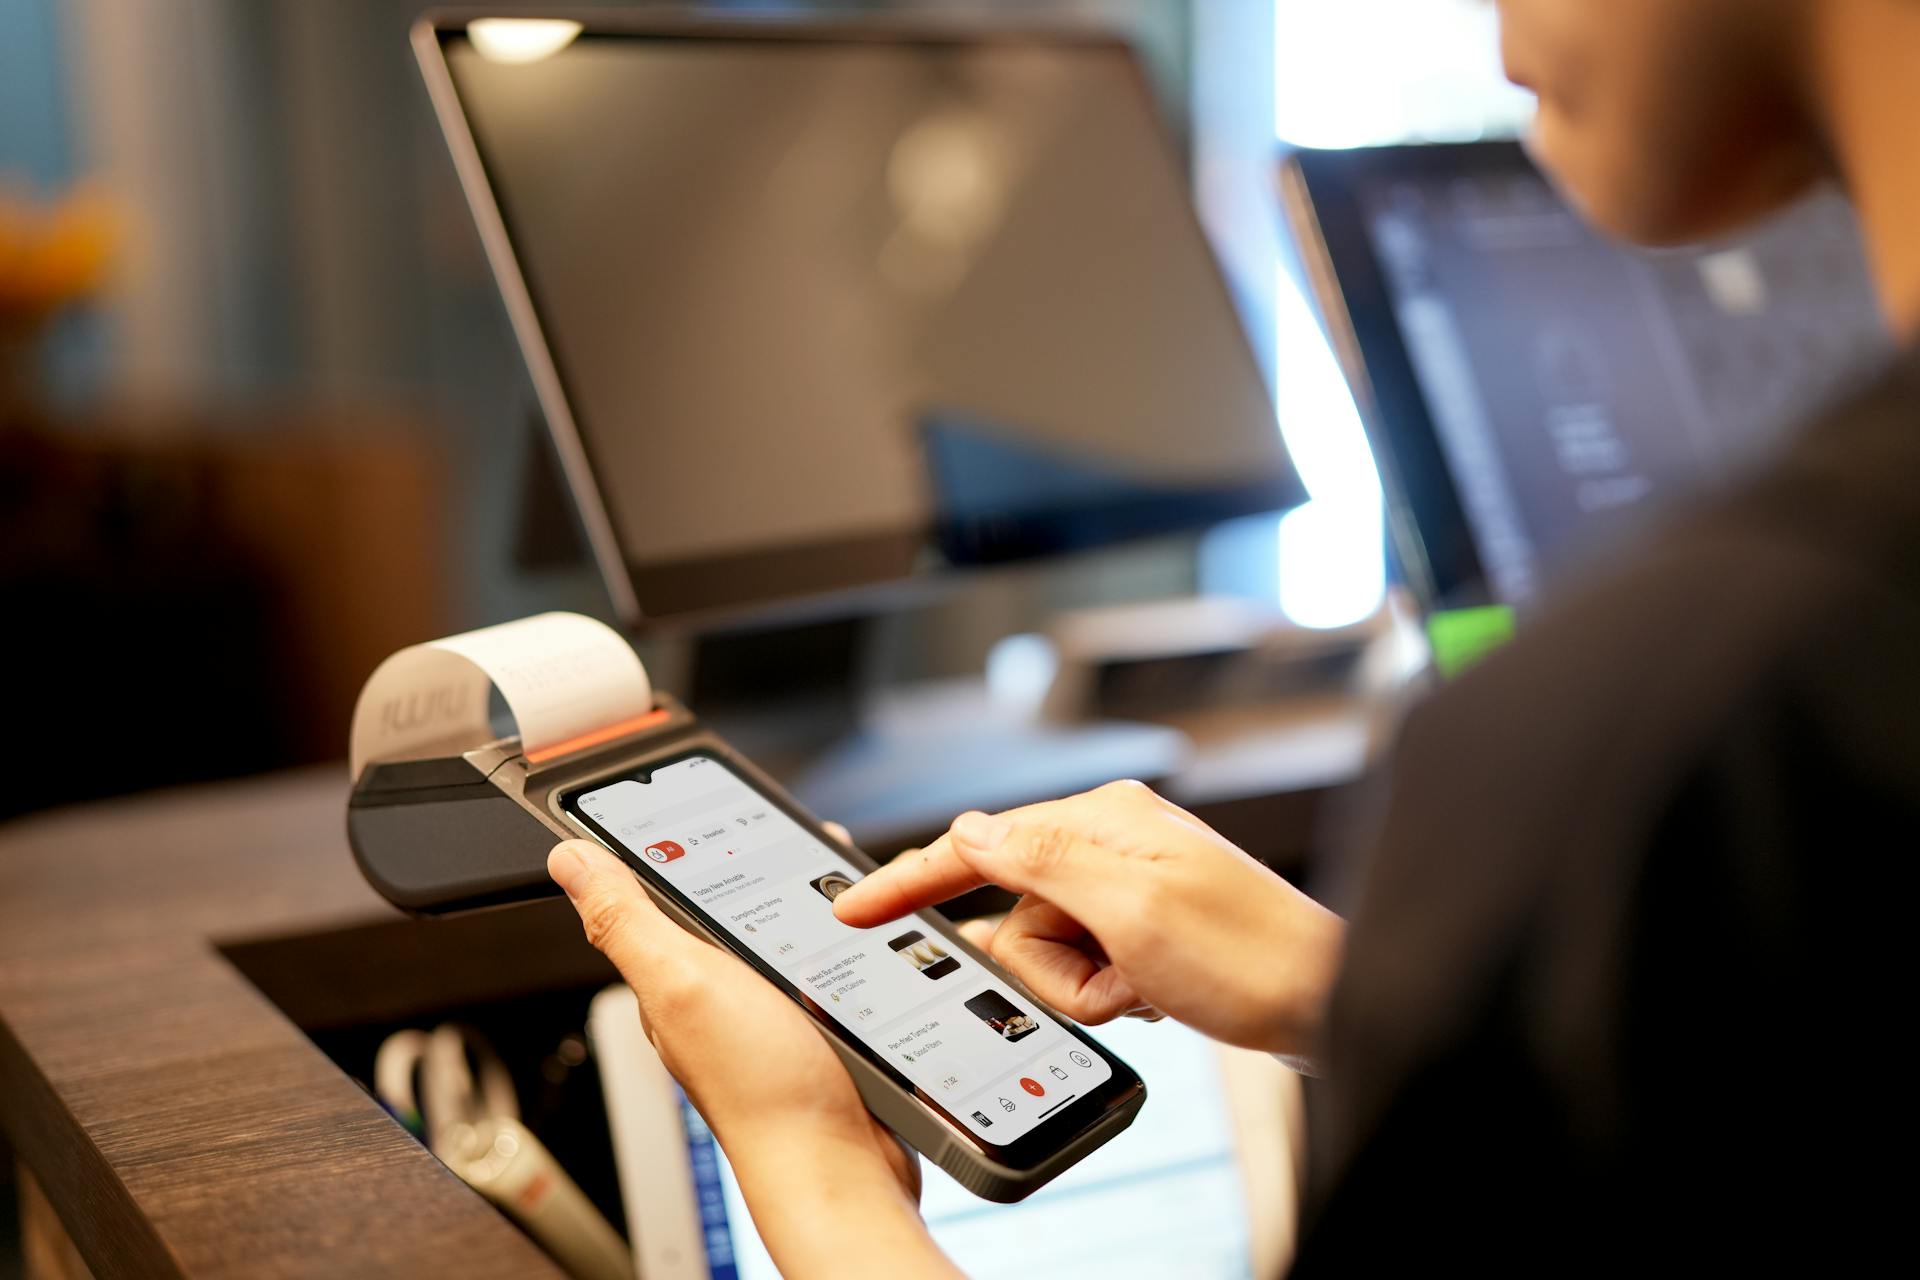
(568, 680)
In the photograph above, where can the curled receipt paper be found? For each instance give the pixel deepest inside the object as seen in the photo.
(570, 682)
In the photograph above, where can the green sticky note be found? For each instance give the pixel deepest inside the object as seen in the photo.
(1461, 637)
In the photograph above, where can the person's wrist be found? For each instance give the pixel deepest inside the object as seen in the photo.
(797, 1150)
(814, 1190)
(1303, 987)
(830, 1202)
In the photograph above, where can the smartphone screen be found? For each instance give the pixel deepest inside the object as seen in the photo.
(992, 1061)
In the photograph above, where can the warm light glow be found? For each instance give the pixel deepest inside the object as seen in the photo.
(520, 39)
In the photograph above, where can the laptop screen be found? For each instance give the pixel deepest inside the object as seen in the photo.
(1566, 387)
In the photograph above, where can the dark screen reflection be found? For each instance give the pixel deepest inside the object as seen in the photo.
(787, 281)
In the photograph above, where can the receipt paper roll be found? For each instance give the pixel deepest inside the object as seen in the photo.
(571, 682)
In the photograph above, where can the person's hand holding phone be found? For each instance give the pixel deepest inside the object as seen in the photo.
(816, 1169)
(1130, 903)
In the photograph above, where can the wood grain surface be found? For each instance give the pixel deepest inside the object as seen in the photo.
(160, 956)
(179, 1122)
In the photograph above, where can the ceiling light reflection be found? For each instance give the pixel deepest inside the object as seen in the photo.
(521, 39)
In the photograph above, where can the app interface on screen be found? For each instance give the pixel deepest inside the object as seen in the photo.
(987, 1054)
(1565, 429)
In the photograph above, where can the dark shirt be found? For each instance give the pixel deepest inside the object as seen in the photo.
(1625, 985)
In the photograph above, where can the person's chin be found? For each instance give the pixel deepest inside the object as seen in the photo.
(1621, 200)
(1695, 213)
(1558, 148)
(1634, 194)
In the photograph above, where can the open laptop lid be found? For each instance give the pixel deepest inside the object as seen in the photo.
(1535, 393)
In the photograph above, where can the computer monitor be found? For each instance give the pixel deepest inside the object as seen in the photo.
(1534, 392)
(817, 307)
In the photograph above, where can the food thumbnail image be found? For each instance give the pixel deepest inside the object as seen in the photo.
(1001, 1017)
(832, 884)
(924, 954)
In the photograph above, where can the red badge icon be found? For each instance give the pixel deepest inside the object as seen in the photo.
(1032, 1087)
(665, 851)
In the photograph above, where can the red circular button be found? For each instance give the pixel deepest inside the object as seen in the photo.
(1032, 1087)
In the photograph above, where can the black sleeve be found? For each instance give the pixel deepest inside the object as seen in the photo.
(1622, 976)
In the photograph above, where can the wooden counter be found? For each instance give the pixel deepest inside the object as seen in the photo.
(178, 1120)
(161, 959)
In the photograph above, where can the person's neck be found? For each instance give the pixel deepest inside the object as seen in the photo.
(1866, 87)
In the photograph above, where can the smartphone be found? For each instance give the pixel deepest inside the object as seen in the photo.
(948, 1051)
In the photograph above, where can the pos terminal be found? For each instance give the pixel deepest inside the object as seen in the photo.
(861, 379)
(951, 1054)
(446, 814)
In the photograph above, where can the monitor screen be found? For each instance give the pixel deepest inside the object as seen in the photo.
(828, 309)
(1569, 387)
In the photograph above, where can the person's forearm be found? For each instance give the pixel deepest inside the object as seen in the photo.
(1318, 952)
(831, 1207)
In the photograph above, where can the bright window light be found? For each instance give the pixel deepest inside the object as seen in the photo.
(520, 39)
(1318, 418)
(1351, 73)
(1332, 553)
(1354, 73)
(1332, 563)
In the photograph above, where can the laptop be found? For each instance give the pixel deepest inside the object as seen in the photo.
(1535, 394)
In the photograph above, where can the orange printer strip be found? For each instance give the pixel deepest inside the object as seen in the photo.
(595, 737)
